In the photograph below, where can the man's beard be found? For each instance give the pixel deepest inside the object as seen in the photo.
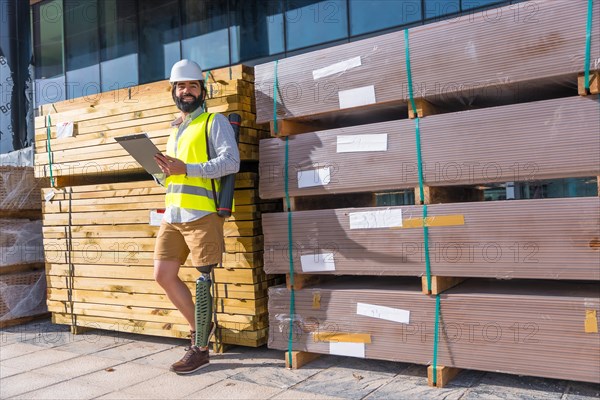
(187, 107)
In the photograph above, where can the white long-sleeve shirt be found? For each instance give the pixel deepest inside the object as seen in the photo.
(224, 159)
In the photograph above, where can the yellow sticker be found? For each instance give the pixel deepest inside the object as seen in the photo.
(316, 304)
(341, 337)
(440, 220)
(591, 321)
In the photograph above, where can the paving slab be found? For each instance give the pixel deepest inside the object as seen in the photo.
(122, 376)
(235, 390)
(274, 373)
(292, 394)
(6, 371)
(90, 344)
(121, 396)
(162, 359)
(504, 386)
(43, 360)
(582, 391)
(277, 377)
(26, 382)
(48, 335)
(352, 382)
(132, 350)
(71, 389)
(172, 386)
(17, 349)
(28, 362)
(78, 366)
(411, 383)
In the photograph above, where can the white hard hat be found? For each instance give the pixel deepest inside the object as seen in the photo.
(185, 70)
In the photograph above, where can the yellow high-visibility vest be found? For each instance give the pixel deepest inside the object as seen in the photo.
(184, 191)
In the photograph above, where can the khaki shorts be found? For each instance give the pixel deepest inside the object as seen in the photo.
(203, 238)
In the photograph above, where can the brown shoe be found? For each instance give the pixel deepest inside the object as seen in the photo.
(192, 361)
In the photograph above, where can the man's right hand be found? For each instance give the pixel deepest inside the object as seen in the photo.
(170, 165)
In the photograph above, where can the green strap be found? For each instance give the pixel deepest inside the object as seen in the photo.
(289, 213)
(419, 160)
(291, 252)
(48, 124)
(275, 88)
(421, 192)
(408, 72)
(435, 337)
(588, 44)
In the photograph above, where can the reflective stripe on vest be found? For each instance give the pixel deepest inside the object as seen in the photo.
(190, 147)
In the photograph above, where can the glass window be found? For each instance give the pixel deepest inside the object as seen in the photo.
(82, 48)
(206, 33)
(313, 22)
(118, 44)
(439, 8)
(159, 39)
(373, 15)
(256, 29)
(48, 51)
(470, 4)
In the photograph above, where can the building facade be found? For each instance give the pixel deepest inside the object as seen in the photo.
(86, 47)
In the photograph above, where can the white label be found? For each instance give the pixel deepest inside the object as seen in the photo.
(314, 177)
(357, 97)
(156, 217)
(64, 129)
(382, 312)
(360, 143)
(347, 349)
(337, 68)
(376, 219)
(49, 196)
(317, 262)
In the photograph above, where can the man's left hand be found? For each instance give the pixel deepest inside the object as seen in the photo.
(170, 165)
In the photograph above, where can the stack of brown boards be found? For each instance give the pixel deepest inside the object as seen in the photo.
(540, 53)
(483, 126)
(549, 329)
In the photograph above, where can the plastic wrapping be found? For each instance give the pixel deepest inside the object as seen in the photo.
(514, 53)
(19, 190)
(22, 295)
(549, 329)
(18, 158)
(21, 242)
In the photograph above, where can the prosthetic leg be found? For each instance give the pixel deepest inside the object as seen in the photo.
(205, 328)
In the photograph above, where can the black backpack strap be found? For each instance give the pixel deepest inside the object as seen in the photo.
(212, 181)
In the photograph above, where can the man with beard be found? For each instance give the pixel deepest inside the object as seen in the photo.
(200, 150)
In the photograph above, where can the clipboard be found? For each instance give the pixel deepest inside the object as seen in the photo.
(141, 148)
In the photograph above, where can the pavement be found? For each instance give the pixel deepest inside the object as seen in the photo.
(41, 360)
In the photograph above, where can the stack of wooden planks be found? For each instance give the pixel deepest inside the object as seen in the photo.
(22, 280)
(86, 147)
(102, 216)
(504, 124)
(99, 242)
